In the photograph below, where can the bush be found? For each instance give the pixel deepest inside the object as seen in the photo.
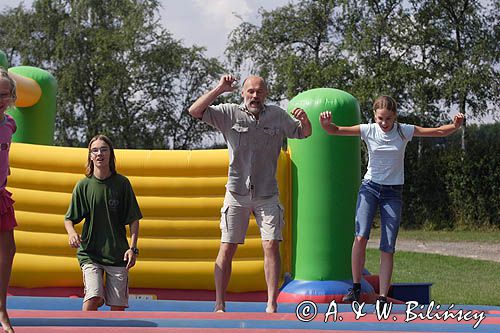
(473, 179)
(448, 188)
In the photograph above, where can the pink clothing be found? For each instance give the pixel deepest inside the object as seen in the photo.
(7, 128)
(7, 217)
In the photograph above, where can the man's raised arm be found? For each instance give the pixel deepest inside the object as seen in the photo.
(201, 104)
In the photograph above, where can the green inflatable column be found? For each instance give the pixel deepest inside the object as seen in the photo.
(325, 182)
(35, 124)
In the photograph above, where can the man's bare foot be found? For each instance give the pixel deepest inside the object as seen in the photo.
(8, 328)
(5, 321)
(220, 308)
(272, 308)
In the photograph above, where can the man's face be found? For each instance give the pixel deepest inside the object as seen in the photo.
(254, 94)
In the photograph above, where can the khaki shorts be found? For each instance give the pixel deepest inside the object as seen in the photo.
(115, 293)
(235, 216)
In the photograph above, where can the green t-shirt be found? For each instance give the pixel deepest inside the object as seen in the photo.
(107, 206)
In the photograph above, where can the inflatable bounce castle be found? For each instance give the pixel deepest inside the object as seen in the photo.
(180, 194)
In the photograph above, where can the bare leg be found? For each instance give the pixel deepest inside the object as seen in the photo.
(358, 256)
(222, 274)
(7, 252)
(272, 268)
(386, 265)
(92, 304)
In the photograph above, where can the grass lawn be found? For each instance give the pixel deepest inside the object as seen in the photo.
(455, 280)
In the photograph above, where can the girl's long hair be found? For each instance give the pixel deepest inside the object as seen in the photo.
(89, 170)
(388, 103)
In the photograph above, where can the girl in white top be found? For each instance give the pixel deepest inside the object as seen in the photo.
(381, 187)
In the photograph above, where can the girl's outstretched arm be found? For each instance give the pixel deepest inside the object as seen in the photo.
(325, 119)
(441, 131)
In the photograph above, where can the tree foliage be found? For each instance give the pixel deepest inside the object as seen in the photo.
(119, 72)
(433, 56)
(294, 48)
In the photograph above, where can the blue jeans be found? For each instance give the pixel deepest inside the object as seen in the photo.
(389, 199)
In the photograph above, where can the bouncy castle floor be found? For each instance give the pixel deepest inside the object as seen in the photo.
(62, 314)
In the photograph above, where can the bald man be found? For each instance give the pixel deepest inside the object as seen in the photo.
(254, 134)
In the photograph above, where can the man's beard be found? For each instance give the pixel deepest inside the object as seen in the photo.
(254, 110)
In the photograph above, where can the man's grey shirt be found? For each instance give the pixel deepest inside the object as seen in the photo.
(254, 145)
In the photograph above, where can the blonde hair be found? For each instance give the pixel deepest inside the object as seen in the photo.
(4, 76)
(89, 170)
(388, 103)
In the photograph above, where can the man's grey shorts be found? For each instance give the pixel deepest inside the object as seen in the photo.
(235, 216)
(116, 291)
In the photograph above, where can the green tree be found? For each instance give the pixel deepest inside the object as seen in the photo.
(375, 40)
(296, 48)
(119, 72)
(461, 49)
(426, 54)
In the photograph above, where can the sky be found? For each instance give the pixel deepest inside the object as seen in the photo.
(200, 22)
(208, 22)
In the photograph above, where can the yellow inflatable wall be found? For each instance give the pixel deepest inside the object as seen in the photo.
(180, 194)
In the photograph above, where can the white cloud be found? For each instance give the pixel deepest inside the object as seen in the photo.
(223, 12)
(206, 22)
(13, 3)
